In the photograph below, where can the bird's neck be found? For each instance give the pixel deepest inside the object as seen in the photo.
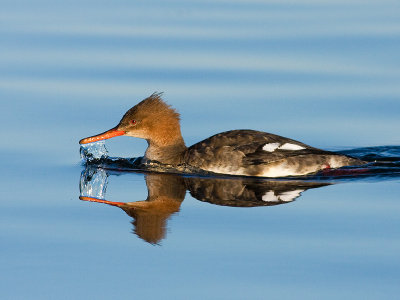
(166, 153)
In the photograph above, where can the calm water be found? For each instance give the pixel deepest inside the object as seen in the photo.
(323, 72)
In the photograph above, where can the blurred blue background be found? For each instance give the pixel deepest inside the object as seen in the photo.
(326, 73)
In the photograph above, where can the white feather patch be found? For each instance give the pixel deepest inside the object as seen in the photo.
(270, 197)
(290, 196)
(284, 197)
(289, 146)
(271, 147)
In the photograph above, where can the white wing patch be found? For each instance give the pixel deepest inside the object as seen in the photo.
(284, 197)
(289, 146)
(270, 197)
(271, 147)
(290, 196)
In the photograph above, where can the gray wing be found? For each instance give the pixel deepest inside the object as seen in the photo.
(247, 147)
(256, 153)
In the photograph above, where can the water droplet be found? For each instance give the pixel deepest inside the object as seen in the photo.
(93, 151)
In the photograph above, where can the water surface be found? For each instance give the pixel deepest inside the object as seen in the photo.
(325, 73)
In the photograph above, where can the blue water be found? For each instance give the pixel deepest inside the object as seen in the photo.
(322, 72)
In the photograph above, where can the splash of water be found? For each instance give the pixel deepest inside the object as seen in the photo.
(93, 183)
(93, 151)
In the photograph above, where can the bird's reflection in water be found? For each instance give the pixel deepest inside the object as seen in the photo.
(167, 191)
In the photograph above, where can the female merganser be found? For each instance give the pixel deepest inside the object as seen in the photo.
(236, 152)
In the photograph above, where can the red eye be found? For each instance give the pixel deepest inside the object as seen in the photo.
(133, 122)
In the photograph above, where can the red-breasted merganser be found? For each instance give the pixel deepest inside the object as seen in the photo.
(236, 152)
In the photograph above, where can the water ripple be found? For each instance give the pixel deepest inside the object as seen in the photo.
(383, 162)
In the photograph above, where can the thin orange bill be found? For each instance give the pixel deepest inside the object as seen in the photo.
(91, 199)
(102, 136)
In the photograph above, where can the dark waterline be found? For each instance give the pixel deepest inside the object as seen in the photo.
(382, 162)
